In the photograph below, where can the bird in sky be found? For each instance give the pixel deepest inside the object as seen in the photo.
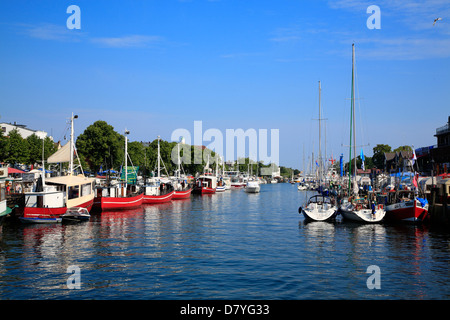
(435, 20)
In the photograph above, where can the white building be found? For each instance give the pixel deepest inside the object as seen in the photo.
(22, 129)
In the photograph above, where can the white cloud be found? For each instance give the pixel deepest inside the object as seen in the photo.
(48, 31)
(127, 41)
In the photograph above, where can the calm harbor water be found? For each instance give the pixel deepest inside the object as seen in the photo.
(230, 245)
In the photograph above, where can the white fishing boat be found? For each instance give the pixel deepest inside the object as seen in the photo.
(252, 187)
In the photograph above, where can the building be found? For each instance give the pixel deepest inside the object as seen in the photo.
(440, 155)
(22, 129)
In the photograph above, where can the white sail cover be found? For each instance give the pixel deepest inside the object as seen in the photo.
(62, 155)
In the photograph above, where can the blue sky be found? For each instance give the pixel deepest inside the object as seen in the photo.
(156, 66)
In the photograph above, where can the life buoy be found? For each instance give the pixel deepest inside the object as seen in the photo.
(380, 206)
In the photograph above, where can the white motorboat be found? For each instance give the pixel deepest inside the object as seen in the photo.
(76, 214)
(252, 187)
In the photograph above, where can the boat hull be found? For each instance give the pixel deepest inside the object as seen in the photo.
(407, 212)
(313, 214)
(47, 215)
(204, 190)
(118, 203)
(363, 215)
(182, 194)
(150, 199)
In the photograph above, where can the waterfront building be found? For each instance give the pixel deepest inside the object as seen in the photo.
(22, 129)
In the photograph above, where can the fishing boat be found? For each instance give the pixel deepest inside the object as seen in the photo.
(320, 207)
(355, 208)
(76, 215)
(183, 193)
(252, 187)
(205, 184)
(51, 197)
(182, 189)
(119, 195)
(4, 209)
(407, 207)
(159, 190)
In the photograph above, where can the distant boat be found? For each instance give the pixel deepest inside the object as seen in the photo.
(252, 187)
(76, 215)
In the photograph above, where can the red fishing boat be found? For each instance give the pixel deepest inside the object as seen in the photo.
(119, 195)
(407, 208)
(182, 194)
(205, 184)
(107, 201)
(52, 197)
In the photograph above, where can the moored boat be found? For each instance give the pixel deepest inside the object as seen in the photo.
(319, 208)
(52, 196)
(119, 195)
(408, 208)
(76, 215)
(252, 187)
(205, 184)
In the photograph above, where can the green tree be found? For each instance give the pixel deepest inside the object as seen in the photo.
(17, 148)
(378, 155)
(403, 148)
(100, 145)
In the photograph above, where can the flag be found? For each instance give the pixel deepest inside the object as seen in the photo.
(362, 159)
(317, 163)
(414, 158)
(416, 177)
(341, 164)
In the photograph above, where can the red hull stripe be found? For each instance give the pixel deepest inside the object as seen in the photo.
(116, 203)
(158, 199)
(51, 212)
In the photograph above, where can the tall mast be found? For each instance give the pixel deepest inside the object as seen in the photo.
(353, 105)
(158, 159)
(320, 151)
(351, 123)
(126, 157)
(71, 144)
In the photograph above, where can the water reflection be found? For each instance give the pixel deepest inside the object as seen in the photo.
(231, 245)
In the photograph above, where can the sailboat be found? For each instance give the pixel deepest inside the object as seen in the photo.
(52, 197)
(119, 195)
(159, 190)
(319, 207)
(355, 208)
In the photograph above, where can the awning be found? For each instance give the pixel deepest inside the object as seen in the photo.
(14, 170)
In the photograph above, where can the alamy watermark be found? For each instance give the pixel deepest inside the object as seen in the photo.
(235, 144)
(74, 280)
(374, 280)
(374, 20)
(74, 20)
